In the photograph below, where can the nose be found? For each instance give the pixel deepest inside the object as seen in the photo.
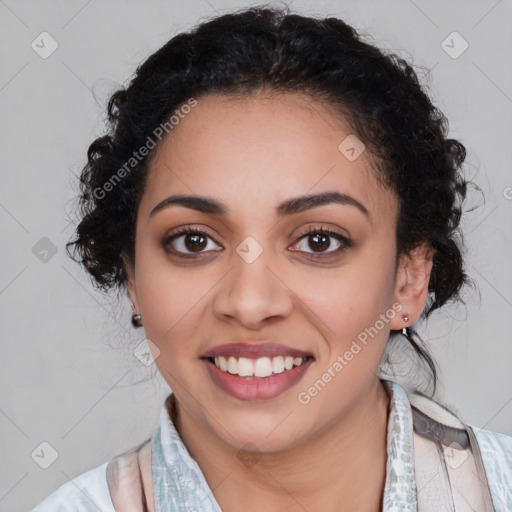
(253, 294)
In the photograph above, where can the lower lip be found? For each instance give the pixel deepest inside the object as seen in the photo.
(256, 388)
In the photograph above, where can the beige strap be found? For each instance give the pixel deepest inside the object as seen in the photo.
(451, 487)
(130, 480)
(449, 474)
(432, 488)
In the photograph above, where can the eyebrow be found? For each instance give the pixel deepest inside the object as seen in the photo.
(289, 207)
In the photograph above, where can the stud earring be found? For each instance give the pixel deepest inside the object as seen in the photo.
(404, 330)
(137, 320)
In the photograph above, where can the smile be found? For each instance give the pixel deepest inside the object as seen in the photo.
(261, 367)
(263, 378)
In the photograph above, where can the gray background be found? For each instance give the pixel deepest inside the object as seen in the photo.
(68, 374)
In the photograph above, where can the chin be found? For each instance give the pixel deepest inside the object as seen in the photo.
(271, 432)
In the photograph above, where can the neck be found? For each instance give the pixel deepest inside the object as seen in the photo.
(343, 468)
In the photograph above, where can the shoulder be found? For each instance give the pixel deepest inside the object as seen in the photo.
(87, 492)
(496, 450)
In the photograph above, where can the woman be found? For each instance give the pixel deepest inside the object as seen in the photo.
(280, 201)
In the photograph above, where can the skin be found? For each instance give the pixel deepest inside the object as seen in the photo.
(251, 153)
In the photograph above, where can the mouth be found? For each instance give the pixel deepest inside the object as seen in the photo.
(260, 368)
(260, 378)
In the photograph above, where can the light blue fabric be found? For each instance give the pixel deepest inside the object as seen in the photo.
(178, 482)
(496, 450)
(400, 486)
(180, 486)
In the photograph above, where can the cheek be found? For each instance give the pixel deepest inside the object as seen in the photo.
(350, 298)
(171, 302)
(352, 310)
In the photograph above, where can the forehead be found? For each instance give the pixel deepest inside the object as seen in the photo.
(256, 150)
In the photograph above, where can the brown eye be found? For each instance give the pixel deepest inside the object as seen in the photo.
(193, 242)
(187, 241)
(320, 241)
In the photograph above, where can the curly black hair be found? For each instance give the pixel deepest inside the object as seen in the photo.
(378, 93)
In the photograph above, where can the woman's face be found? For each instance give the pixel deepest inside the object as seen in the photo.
(254, 277)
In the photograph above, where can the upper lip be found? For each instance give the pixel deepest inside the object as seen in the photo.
(254, 350)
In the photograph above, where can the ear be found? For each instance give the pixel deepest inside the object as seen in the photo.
(131, 289)
(411, 285)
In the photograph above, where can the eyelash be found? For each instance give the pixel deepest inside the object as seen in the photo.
(346, 243)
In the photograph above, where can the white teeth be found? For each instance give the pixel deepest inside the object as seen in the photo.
(245, 367)
(278, 364)
(261, 367)
(223, 362)
(232, 365)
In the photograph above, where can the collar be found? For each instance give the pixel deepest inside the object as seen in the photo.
(180, 486)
